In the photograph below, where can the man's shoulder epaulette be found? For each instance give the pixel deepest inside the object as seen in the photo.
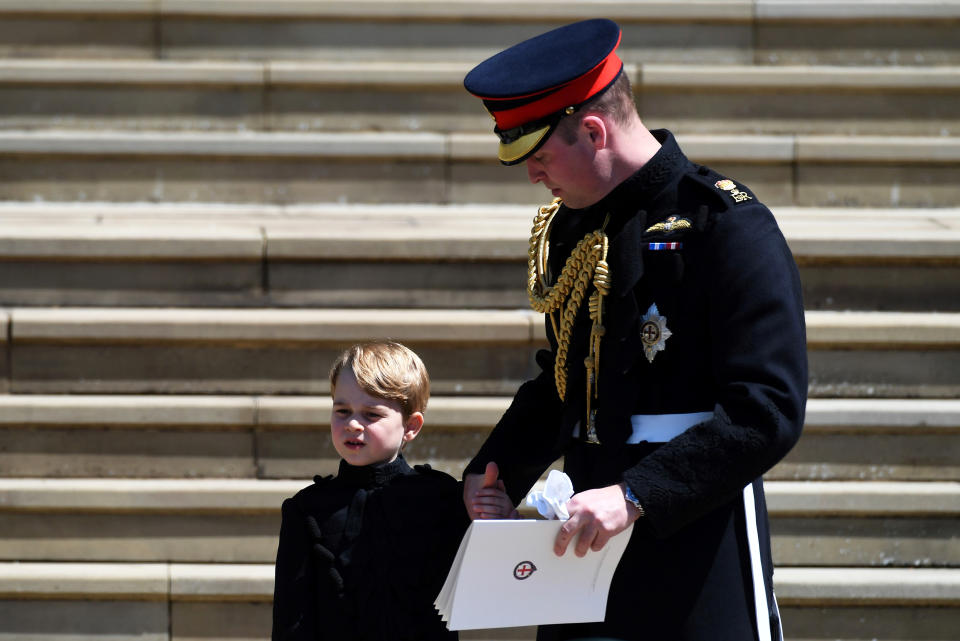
(714, 190)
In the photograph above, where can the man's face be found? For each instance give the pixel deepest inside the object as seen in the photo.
(567, 170)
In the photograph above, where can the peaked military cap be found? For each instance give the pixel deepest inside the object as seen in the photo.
(529, 87)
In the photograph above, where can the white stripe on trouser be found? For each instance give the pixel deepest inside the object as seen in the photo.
(776, 609)
(756, 567)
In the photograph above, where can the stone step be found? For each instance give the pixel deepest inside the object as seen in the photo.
(732, 31)
(236, 521)
(83, 350)
(203, 436)
(426, 256)
(163, 602)
(405, 167)
(479, 352)
(399, 95)
(269, 437)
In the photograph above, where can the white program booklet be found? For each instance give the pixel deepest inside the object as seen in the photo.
(505, 574)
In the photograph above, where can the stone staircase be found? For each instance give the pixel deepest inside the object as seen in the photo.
(201, 202)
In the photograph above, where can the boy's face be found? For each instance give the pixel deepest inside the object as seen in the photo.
(367, 429)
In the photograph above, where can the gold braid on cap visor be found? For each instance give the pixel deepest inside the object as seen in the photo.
(587, 263)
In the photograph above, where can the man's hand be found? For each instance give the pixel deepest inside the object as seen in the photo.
(597, 515)
(485, 495)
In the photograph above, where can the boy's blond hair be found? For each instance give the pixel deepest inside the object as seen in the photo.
(387, 370)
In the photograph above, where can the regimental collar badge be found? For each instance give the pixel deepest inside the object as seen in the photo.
(672, 223)
(735, 193)
(653, 332)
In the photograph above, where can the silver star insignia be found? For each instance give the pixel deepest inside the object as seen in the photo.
(653, 332)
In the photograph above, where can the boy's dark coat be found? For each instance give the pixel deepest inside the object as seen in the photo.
(363, 555)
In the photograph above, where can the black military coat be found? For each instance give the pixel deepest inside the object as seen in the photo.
(711, 258)
(363, 555)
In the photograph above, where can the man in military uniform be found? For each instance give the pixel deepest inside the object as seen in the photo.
(677, 372)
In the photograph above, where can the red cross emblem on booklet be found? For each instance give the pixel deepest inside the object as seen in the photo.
(524, 570)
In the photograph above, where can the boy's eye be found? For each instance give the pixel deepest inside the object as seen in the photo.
(341, 412)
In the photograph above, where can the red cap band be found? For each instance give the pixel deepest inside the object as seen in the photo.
(574, 92)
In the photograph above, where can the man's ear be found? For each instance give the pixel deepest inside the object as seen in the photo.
(411, 427)
(596, 130)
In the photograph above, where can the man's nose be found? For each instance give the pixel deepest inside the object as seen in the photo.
(534, 173)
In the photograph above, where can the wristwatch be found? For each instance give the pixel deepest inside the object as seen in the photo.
(631, 497)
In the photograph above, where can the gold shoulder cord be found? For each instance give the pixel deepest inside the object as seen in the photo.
(587, 262)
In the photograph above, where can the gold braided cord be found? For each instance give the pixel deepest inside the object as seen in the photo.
(586, 265)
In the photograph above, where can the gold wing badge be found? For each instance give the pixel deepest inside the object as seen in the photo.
(672, 223)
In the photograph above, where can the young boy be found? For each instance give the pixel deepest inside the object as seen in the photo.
(363, 555)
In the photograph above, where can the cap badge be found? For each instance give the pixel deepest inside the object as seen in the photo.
(654, 332)
(735, 193)
(672, 223)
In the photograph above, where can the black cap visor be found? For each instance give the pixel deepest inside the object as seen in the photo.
(519, 143)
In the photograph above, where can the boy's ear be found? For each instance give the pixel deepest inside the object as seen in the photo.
(411, 427)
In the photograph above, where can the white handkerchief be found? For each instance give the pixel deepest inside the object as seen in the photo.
(552, 502)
